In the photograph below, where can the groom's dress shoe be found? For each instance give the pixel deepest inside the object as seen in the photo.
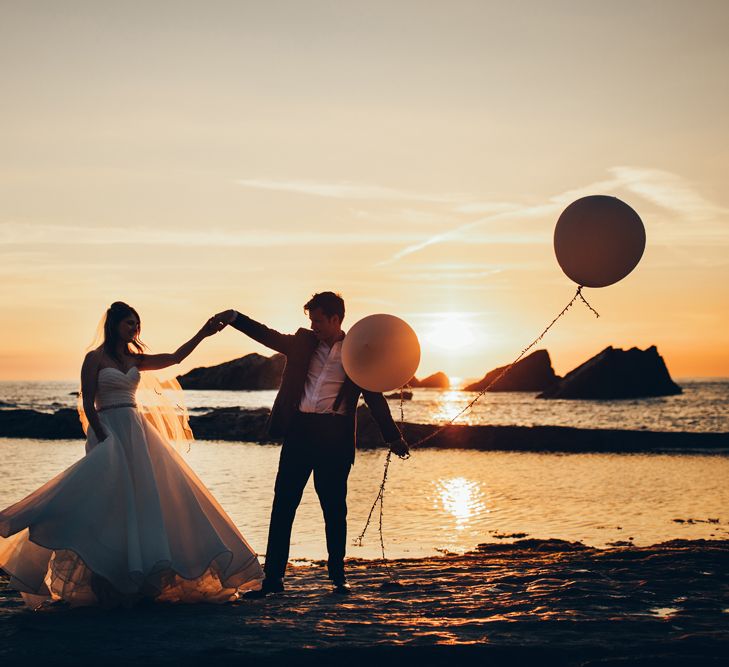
(341, 587)
(268, 586)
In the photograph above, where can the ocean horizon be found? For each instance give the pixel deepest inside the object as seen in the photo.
(702, 407)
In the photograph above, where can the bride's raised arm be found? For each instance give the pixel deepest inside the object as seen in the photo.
(153, 362)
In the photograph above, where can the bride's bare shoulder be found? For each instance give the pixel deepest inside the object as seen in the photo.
(93, 356)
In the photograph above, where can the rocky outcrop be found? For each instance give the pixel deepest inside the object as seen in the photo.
(406, 395)
(254, 371)
(232, 424)
(532, 373)
(438, 380)
(239, 425)
(61, 425)
(616, 373)
(541, 438)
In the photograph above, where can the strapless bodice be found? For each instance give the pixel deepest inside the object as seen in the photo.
(115, 387)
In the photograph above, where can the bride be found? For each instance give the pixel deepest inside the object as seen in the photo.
(130, 520)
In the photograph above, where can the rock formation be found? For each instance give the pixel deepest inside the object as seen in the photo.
(232, 424)
(438, 380)
(616, 373)
(61, 425)
(406, 395)
(532, 373)
(240, 425)
(254, 371)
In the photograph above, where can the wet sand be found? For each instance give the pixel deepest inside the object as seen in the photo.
(541, 602)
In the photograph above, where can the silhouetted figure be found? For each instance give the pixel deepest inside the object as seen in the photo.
(130, 521)
(315, 413)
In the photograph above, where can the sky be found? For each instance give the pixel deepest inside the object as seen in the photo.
(190, 157)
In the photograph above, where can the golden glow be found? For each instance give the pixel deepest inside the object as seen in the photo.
(450, 403)
(452, 333)
(182, 188)
(461, 498)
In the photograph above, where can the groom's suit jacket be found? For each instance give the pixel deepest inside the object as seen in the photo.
(299, 348)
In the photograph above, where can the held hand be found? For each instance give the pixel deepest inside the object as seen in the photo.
(212, 326)
(226, 317)
(400, 447)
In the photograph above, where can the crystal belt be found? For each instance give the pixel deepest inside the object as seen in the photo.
(116, 405)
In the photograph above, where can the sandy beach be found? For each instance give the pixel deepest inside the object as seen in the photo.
(546, 602)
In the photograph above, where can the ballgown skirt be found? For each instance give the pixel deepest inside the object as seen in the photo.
(130, 520)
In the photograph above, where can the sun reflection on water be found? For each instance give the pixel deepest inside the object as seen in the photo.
(447, 404)
(461, 498)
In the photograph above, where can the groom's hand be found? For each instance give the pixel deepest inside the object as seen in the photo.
(226, 317)
(400, 447)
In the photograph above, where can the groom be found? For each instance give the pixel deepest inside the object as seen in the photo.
(315, 413)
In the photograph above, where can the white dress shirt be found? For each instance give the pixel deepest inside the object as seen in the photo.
(324, 379)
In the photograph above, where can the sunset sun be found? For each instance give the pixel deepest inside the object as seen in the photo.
(451, 333)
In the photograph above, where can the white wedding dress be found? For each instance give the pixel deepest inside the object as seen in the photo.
(129, 520)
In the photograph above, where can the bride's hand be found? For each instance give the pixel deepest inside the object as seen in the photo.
(227, 316)
(211, 327)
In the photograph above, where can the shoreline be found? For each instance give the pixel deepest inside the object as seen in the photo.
(249, 425)
(546, 602)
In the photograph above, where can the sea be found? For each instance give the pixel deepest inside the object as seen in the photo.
(441, 501)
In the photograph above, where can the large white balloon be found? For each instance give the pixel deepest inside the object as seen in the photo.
(380, 353)
(598, 240)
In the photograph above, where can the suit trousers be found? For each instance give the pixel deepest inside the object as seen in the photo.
(322, 444)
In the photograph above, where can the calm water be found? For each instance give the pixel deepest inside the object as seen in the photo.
(453, 500)
(449, 500)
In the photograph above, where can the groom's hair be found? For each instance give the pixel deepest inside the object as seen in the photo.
(331, 304)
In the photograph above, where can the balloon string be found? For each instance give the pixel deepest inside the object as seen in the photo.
(381, 493)
(584, 300)
(381, 497)
(537, 340)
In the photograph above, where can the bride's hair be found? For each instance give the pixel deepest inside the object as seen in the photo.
(117, 312)
(159, 401)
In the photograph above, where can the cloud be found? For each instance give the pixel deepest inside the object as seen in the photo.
(348, 190)
(494, 236)
(606, 187)
(31, 234)
(486, 207)
(669, 191)
(661, 188)
(407, 216)
(451, 277)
